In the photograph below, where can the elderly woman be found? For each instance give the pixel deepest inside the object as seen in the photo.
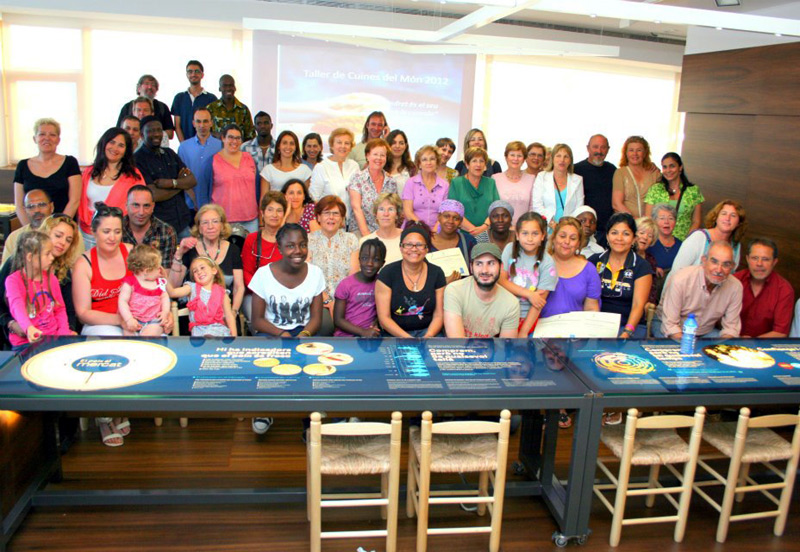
(312, 150)
(67, 247)
(645, 238)
(450, 235)
(108, 179)
(634, 177)
(261, 248)
(501, 231)
(446, 148)
(474, 191)
(409, 294)
(666, 246)
(58, 175)
(399, 165)
(588, 219)
(476, 139)
(514, 185)
(366, 185)
(331, 248)
(387, 211)
(234, 180)
(534, 159)
(300, 205)
(558, 192)
(332, 175)
(727, 221)
(286, 164)
(676, 190)
(209, 239)
(425, 191)
(625, 278)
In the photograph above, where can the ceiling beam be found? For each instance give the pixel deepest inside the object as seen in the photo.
(480, 18)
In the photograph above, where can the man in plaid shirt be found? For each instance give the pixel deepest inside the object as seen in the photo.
(140, 226)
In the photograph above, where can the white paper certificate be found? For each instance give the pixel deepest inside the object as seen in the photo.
(579, 324)
(449, 260)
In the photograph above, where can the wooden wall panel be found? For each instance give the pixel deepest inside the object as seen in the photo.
(749, 81)
(21, 454)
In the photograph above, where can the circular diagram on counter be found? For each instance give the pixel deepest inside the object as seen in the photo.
(266, 362)
(314, 348)
(623, 363)
(319, 370)
(286, 370)
(92, 366)
(335, 359)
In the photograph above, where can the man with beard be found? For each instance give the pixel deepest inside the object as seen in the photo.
(708, 291)
(38, 206)
(148, 87)
(187, 102)
(598, 176)
(228, 110)
(477, 306)
(262, 147)
(767, 297)
(374, 127)
(166, 176)
(140, 226)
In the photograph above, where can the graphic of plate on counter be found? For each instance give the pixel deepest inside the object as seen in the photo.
(314, 348)
(266, 362)
(335, 359)
(286, 369)
(623, 363)
(739, 356)
(319, 370)
(91, 366)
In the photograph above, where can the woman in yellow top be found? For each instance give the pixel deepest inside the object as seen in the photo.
(633, 178)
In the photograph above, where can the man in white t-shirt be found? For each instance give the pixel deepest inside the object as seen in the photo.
(477, 306)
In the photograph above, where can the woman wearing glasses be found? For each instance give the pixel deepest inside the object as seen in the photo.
(332, 249)
(409, 293)
(387, 211)
(67, 247)
(234, 180)
(108, 179)
(209, 239)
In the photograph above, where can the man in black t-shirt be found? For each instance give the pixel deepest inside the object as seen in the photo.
(148, 87)
(598, 177)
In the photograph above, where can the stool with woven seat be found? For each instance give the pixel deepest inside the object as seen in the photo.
(746, 442)
(362, 448)
(458, 447)
(659, 444)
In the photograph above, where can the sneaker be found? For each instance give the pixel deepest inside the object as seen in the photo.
(261, 425)
(612, 418)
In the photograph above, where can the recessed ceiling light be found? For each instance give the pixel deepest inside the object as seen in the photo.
(657, 22)
(592, 15)
(719, 28)
(778, 34)
(727, 3)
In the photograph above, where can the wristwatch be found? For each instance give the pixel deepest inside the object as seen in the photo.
(174, 183)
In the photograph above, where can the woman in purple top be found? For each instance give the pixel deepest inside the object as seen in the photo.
(578, 287)
(425, 191)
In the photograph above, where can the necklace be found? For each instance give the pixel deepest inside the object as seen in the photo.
(205, 250)
(413, 282)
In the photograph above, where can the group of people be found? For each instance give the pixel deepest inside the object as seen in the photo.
(304, 244)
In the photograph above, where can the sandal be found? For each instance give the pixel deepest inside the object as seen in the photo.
(564, 421)
(109, 433)
(123, 427)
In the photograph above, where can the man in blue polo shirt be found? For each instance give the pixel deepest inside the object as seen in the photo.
(185, 103)
(197, 153)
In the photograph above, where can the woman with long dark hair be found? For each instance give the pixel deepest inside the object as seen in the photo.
(676, 190)
(108, 179)
(399, 166)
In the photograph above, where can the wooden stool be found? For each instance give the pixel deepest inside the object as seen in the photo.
(747, 442)
(659, 445)
(458, 447)
(361, 448)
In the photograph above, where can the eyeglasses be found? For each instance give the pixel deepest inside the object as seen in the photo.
(413, 246)
(193, 72)
(233, 138)
(40, 205)
(209, 222)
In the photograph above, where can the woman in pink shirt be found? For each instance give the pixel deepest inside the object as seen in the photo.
(234, 180)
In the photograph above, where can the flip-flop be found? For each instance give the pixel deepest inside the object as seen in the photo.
(108, 431)
(564, 421)
(124, 427)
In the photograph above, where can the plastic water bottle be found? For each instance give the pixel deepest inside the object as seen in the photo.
(689, 335)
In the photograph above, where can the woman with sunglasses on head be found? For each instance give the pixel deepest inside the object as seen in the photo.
(409, 293)
(209, 238)
(67, 247)
(332, 249)
(108, 179)
(261, 248)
